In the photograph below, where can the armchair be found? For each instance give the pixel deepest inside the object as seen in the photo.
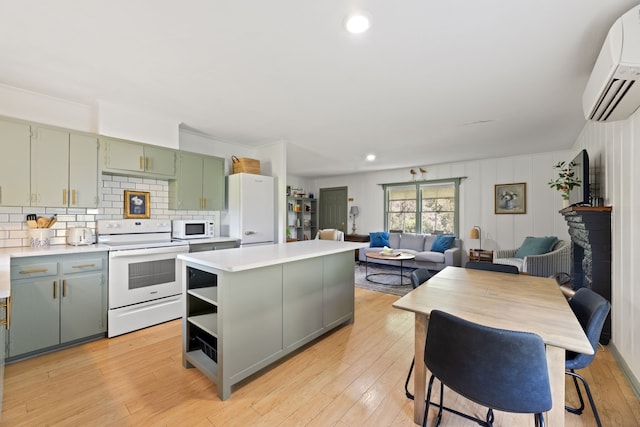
(558, 260)
(330, 234)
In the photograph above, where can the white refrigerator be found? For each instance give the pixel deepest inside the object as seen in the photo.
(251, 208)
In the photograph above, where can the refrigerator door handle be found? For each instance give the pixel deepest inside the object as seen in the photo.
(249, 233)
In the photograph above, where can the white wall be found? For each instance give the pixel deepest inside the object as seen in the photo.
(124, 122)
(613, 149)
(27, 105)
(476, 197)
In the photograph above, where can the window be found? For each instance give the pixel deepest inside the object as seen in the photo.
(429, 207)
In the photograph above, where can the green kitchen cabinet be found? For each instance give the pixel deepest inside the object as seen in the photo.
(4, 307)
(124, 157)
(199, 184)
(15, 168)
(64, 168)
(57, 300)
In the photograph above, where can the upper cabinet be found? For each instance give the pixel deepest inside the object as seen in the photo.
(64, 168)
(199, 184)
(132, 158)
(15, 166)
(46, 166)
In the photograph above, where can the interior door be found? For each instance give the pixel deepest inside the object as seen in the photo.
(333, 208)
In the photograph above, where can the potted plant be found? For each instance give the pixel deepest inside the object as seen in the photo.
(566, 179)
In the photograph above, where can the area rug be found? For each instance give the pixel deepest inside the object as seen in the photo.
(387, 276)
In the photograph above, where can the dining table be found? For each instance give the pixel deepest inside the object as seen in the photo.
(517, 302)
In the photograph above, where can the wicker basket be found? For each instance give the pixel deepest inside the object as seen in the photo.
(245, 164)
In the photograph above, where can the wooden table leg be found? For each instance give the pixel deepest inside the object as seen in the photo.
(419, 370)
(555, 366)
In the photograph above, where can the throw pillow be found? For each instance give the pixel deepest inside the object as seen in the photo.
(442, 243)
(536, 246)
(379, 239)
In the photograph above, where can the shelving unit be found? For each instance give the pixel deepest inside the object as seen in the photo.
(302, 218)
(200, 325)
(480, 255)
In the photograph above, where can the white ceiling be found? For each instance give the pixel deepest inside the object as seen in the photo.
(431, 82)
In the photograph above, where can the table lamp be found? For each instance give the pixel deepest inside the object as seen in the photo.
(476, 233)
(354, 211)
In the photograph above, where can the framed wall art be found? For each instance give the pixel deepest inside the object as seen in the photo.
(511, 198)
(136, 204)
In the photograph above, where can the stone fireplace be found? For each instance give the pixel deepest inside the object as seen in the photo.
(590, 231)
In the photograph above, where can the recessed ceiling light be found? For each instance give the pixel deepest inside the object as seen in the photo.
(371, 157)
(357, 23)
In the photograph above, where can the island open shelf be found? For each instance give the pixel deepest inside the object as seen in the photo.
(246, 308)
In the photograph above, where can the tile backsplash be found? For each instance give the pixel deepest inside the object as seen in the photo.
(14, 231)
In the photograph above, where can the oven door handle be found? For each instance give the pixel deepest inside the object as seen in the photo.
(149, 251)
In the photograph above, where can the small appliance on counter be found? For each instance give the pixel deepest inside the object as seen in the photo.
(77, 236)
(192, 229)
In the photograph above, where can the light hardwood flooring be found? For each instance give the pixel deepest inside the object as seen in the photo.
(353, 376)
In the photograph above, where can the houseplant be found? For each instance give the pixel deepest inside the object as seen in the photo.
(566, 179)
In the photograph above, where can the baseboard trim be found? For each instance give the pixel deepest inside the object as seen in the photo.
(633, 381)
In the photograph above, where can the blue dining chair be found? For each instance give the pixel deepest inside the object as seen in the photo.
(500, 369)
(591, 310)
(418, 277)
(488, 266)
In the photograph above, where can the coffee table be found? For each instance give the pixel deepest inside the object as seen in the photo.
(402, 256)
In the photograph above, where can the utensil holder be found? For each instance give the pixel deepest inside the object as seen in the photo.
(40, 237)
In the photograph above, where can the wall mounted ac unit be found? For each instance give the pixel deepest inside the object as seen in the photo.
(613, 90)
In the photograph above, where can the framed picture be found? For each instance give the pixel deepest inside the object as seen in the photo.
(511, 198)
(136, 204)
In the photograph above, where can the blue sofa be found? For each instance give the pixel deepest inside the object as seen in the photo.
(420, 246)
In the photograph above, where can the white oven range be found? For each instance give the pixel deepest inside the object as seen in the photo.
(144, 283)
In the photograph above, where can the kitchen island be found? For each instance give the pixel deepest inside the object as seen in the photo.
(248, 307)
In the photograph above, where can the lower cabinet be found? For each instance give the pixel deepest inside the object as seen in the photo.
(56, 300)
(4, 312)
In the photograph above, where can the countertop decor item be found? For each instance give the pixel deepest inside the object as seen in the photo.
(566, 179)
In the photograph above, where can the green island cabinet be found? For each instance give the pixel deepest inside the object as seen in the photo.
(120, 156)
(56, 301)
(15, 169)
(199, 183)
(238, 322)
(47, 166)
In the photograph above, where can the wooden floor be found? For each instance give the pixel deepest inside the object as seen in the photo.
(352, 377)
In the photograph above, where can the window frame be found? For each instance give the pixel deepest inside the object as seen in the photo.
(419, 212)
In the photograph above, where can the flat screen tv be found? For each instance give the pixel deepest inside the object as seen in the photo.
(580, 166)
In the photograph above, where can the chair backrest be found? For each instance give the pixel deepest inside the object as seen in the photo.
(497, 368)
(330, 234)
(591, 310)
(419, 276)
(488, 266)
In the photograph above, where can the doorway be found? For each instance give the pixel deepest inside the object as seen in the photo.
(333, 208)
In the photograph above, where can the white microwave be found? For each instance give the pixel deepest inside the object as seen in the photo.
(192, 229)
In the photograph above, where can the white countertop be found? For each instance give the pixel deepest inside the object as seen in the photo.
(247, 258)
(7, 253)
